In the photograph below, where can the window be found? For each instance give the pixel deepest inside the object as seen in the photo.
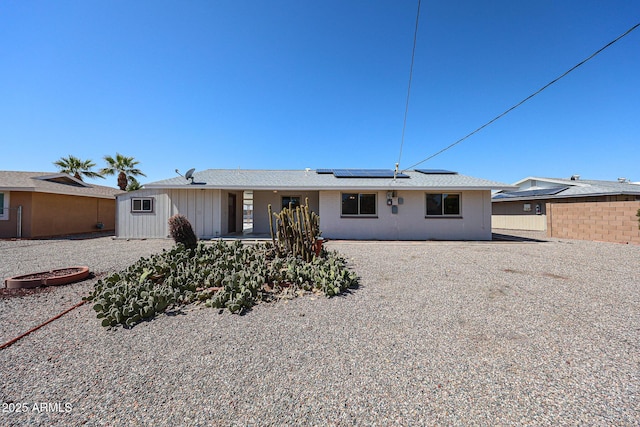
(443, 204)
(294, 200)
(142, 204)
(4, 206)
(356, 204)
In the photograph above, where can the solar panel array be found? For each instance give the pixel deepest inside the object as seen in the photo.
(436, 172)
(530, 193)
(362, 173)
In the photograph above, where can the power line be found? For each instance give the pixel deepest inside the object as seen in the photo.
(528, 97)
(406, 108)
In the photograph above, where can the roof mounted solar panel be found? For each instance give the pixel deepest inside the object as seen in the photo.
(530, 193)
(361, 173)
(436, 172)
(367, 173)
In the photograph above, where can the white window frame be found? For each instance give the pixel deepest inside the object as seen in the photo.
(4, 209)
(142, 200)
(443, 215)
(360, 215)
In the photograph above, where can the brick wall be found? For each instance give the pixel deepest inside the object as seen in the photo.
(603, 221)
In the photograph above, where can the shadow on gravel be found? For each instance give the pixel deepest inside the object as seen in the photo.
(497, 237)
(84, 236)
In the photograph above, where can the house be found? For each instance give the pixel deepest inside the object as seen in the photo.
(571, 208)
(45, 204)
(352, 203)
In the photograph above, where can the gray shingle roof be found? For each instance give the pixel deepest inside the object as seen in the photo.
(576, 188)
(52, 182)
(310, 180)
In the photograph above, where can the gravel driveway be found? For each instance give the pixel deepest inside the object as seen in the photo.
(439, 333)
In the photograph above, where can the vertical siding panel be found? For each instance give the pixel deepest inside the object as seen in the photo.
(217, 213)
(152, 225)
(197, 197)
(208, 214)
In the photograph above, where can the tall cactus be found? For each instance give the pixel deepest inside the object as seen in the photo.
(297, 231)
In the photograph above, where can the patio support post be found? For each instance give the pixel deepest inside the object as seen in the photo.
(19, 221)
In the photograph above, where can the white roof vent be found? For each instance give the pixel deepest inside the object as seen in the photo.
(623, 180)
(575, 177)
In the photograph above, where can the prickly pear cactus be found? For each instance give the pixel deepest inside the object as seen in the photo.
(223, 275)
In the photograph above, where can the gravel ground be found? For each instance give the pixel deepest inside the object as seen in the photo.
(439, 333)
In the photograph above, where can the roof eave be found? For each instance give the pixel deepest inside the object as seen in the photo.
(328, 188)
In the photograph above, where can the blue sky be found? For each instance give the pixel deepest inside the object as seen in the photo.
(289, 84)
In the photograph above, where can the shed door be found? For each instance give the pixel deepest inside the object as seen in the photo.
(232, 213)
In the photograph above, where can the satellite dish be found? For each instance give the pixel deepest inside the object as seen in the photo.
(189, 174)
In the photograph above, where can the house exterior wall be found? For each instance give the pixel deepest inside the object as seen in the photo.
(57, 214)
(605, 221)
(46, 215)
(202, 207)
(512, 215)
(262, 199)
(410, 223)
(520, 222)
(517, 208)
(207, 211)
(9, 227)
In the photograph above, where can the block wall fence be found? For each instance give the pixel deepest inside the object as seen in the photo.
(602, 221)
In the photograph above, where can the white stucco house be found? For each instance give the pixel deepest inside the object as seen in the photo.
(369, 204)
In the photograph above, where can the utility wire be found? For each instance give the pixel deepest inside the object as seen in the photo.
(406, 108)
(527, 98)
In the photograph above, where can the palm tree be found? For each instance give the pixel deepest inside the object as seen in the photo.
(76, 167)
(124, 166)
(133, 184)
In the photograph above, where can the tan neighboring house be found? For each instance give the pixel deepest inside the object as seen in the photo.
(572, 208)
(45, 204)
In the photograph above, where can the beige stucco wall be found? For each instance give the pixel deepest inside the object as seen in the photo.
(56, 214)
(45, 214)
(409, 223)
(520, 222)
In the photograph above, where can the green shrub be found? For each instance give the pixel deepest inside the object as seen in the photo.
(221, 275)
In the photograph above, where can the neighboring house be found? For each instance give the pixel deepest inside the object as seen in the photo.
(351, 203)
(571, 208)
(45, 204)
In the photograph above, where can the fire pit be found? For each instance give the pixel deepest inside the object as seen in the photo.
(60, 276)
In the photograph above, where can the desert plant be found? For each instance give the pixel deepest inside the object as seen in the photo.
(123, 166)
(227, 276)
(638, 215)
(77, 167)
(297, 231)
(182, 232)
(133, 184)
